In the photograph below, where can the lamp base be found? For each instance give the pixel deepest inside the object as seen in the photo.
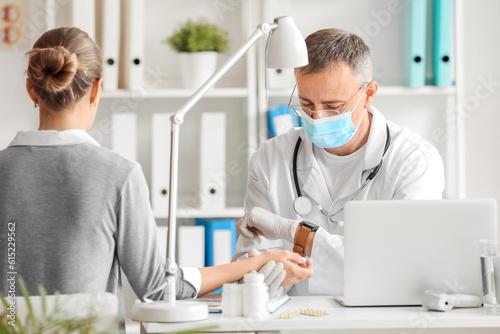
(179, 311)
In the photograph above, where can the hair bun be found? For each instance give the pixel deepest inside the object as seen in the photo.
(52, 69)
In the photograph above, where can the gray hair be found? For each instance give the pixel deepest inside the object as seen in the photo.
(328, 47)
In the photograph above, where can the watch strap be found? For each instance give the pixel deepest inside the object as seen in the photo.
(301, 239)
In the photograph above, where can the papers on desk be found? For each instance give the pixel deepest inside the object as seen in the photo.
(214, 302)
(276, 303)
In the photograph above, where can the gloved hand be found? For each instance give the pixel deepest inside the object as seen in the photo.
(262, 222)
(274, 274)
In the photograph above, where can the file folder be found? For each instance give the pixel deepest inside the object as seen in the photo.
(161, 235)
(442, 19)
(133, 48)
(415, 22)
(124, 134)
(191, 246)
(50, 14)
(213, 160)
(83, 16)
(160, 163)
(278, 78)
(109, 42)
(280, 120)
(220, 240)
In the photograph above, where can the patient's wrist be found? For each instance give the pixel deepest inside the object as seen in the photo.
(256, 262)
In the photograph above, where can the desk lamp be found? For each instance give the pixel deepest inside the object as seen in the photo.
(286, 49)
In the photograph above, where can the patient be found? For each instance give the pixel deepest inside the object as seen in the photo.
(82, 212)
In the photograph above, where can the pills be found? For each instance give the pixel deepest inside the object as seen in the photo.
(306, 311)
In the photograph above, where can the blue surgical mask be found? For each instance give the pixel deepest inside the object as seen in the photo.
(329, 132)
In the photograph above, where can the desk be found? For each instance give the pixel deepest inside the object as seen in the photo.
(340, 319)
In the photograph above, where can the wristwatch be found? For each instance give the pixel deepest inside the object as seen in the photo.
(304, 229)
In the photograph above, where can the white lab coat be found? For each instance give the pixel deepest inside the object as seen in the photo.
(412, 169)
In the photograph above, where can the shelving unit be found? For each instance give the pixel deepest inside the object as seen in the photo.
(440, 106)
(184, 212)
(389, 91)
(178, 93)
(235, 95)
(242, 93)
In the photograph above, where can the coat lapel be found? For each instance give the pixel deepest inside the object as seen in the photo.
(311, 180)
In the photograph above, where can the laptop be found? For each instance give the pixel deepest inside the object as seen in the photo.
(395, 250)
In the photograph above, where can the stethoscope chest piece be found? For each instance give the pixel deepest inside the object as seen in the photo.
(303, 206)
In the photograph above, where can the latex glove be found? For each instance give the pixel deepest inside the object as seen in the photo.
(274, 275)
(262, 222)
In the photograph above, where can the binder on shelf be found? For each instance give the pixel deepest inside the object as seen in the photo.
(442, 22)
(415, 13)
(50, 14)
(109, 41)
(160, 163)
(124, 134)
(280, 120)
(161, 235)
(132, 44)
(83, 16)
(220, 240)
(212, 193)
(191, 246)
(278, 78)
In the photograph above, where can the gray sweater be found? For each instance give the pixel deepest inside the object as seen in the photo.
(79, 212)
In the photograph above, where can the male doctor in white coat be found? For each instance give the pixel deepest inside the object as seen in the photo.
(347, 151)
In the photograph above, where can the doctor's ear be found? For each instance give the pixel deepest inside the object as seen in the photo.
(371, 91)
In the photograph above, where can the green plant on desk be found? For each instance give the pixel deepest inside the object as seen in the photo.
(198, 36)
(49, 322)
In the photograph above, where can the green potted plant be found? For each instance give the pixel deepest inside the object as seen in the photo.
(198, 44)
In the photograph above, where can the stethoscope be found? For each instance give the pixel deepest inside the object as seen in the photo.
(303, 205)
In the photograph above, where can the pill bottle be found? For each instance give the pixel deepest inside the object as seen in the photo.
(255, 296)
(232, 300)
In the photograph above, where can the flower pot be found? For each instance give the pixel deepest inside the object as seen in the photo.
(197, 67)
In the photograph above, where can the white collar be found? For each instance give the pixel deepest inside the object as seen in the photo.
(52, 138)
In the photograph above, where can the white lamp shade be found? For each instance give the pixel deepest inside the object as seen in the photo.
(287, 48)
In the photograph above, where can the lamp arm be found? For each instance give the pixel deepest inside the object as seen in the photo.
(176, 120)
(259, 32)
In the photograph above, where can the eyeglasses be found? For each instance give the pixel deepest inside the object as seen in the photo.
(322, 112)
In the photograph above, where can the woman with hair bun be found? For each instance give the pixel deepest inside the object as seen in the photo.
(81, 212)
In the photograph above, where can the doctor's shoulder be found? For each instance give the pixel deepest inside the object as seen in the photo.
(408, 144)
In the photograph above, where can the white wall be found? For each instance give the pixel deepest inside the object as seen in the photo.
(482, 82)
(482, 101)
(16, 109)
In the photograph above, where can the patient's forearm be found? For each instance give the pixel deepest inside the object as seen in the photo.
(214, 277)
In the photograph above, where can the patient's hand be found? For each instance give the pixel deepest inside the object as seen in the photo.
(294, 265)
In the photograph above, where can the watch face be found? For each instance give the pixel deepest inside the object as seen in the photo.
(310, 226)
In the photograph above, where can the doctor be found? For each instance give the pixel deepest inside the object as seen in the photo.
(345, 150)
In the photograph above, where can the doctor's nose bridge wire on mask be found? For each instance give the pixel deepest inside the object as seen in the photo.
(303, 205)
(334, 129)
(324, 112)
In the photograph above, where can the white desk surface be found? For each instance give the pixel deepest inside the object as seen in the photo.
(339, 317)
